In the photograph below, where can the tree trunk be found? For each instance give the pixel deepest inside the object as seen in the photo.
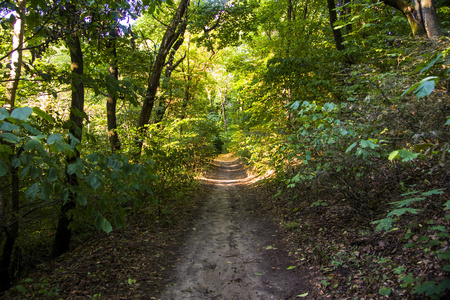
(112, 97)
(63, 232)
(336, 32)
(176, 28)
(167, 85)
(430, 19)
(16, 55)
(347, 15)
(223, 98)
(12, 232)
(413, 15)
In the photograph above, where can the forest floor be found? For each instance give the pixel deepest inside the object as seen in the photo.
(218, 244)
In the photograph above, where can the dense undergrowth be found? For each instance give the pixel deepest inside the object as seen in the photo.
(112, 189)
(361, 182)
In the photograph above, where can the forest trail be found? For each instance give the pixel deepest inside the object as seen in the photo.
(231, 253)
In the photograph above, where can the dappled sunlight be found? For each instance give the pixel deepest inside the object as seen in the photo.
(232, 172)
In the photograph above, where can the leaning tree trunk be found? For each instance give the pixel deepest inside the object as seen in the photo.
(412, 14)
(111, 103)
(336, 32)
(167, 85)
(16, 55)
(176, 28)
(63, 232)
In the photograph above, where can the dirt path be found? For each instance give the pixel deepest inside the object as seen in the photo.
(230, 253)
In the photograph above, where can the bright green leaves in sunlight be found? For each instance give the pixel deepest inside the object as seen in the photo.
(405, 155)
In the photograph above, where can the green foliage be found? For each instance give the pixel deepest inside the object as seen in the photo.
(427, 242)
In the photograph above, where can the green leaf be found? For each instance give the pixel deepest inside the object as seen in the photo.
(6, 126)
(407, 202)
(99, 221)
(10, 137)
(39, 112)
(81, 200)
(447, 205)
(295, 105)
(32, 191)
(4, 168)
(53, 138)
(291, 267)
(433, 192)
(431, 63)
(33, 144)
(368, 144)
(106, 226)
(428, 287)
(404, 154)
(3, 113)
(52, 174)
(400, 211)
(72, 168)
(15, 163)
(303, 295)
(393, 155)
(383, 224)
(444, 255)
(384, 291)
(31, 129)
(426, 87)
(22, 113)
(351, 147)
(438, 227)
(93, 181)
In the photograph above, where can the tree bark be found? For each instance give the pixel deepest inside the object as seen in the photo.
(430, 19)
(223, 99)
(111, 103)
(167, 85)
(11, 91)
(63, 232)
(12, 232)
(176, 28)
(336, 32)
(413, 16)
(16, 55)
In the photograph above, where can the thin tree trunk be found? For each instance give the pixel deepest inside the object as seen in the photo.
(223, 99)
(176, 28)
(111, 103)
(16, 55)
(63, 232)
(347, 14)
(336, 32)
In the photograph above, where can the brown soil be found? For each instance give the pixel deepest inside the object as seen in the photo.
(233, 251)
(217, 244)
